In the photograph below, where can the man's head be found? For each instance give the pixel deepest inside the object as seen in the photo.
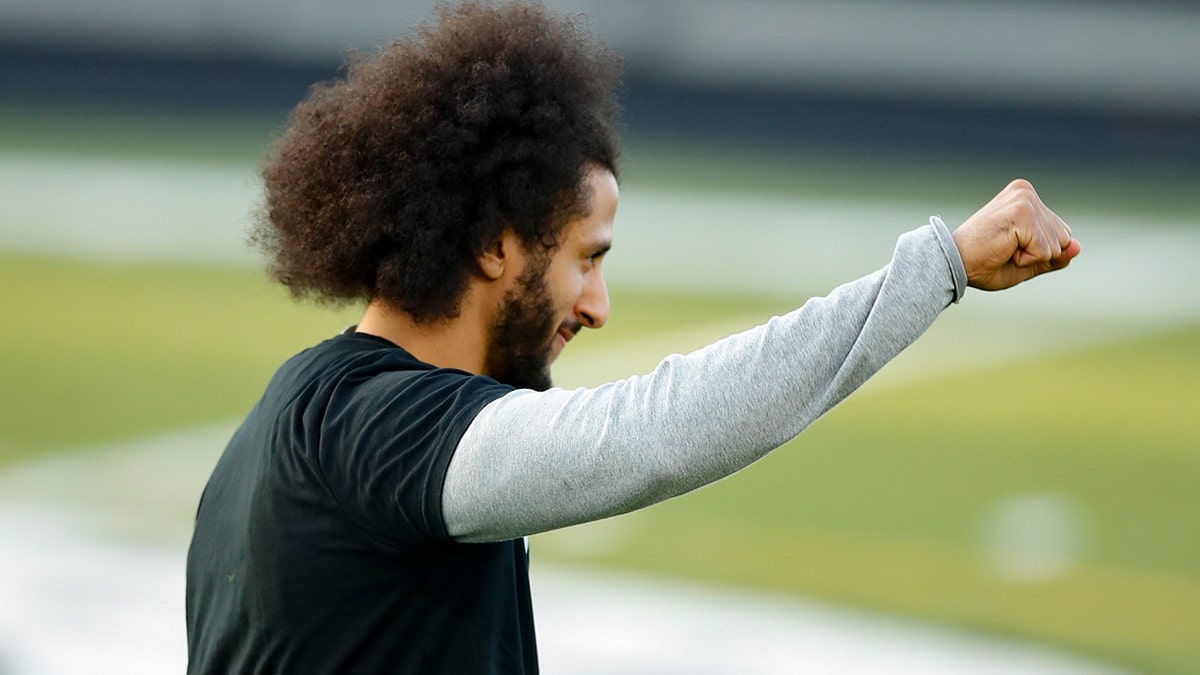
(556, 291)
(391, 182)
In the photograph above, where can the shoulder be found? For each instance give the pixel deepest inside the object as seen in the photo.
(372, 376)
(346, 359)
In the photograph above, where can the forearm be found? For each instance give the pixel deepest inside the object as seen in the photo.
(534, 461)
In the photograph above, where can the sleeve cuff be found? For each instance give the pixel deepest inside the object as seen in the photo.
(953, 258)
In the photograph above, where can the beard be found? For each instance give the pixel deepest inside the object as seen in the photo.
(519, 350)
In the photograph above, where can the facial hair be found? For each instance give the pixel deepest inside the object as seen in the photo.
(519, 350)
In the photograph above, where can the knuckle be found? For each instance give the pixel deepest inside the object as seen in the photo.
(1022, 210)
(1020, 185)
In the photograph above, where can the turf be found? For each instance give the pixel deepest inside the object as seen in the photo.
(96, 352)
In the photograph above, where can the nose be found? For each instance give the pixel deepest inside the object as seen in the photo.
(592, 308)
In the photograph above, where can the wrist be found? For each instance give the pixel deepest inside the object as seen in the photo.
(953, 253)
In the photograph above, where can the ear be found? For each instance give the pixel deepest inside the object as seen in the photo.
(499, 255)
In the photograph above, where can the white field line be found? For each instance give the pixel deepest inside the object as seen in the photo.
(1133, 267)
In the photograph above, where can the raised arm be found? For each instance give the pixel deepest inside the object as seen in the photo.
(532, 461)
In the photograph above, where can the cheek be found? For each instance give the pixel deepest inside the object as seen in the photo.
(565, 291)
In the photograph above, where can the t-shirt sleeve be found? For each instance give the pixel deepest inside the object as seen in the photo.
(385, 442)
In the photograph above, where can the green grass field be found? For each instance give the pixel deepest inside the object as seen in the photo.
(883, 504)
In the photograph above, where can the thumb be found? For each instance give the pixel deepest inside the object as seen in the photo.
(1068, 254)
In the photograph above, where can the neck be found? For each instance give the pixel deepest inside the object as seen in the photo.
(459, 342)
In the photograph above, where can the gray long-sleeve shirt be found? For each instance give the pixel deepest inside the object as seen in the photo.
(535, 461)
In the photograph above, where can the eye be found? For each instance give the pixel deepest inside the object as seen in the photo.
(594, 255)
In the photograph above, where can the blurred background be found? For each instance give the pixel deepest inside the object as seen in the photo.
(1018, 492)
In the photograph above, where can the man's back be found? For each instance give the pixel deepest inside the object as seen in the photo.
(319, 545)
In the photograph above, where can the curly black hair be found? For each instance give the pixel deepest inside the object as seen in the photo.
(391, 181)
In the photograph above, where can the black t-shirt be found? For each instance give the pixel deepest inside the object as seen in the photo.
(319, 544)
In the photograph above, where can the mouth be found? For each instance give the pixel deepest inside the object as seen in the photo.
(560, 340)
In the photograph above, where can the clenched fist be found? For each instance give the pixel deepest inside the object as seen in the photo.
(1013, 238)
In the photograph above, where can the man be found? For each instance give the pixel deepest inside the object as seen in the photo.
(369, 514)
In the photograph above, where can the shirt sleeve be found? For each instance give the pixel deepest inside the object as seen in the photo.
(386, 441)
(535, 461)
